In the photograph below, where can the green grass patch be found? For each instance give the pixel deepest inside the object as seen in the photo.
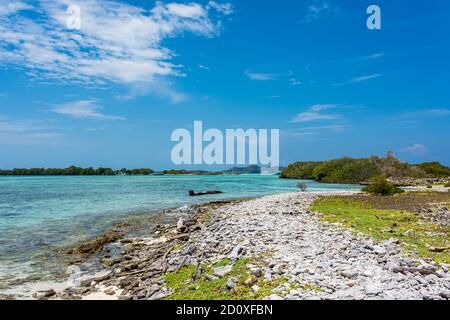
(185, 288)
(222, 263)
(415, 235)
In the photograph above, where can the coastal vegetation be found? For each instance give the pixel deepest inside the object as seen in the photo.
(392, 217)
(435, 169)
(74, 171)
(186, 286)
(381, 186)
(350, 170)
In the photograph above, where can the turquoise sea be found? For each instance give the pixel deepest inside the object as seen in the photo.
(39, 214)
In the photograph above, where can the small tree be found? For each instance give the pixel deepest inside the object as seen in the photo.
(381, 186)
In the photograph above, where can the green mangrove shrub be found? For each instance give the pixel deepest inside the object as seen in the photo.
(381, 186)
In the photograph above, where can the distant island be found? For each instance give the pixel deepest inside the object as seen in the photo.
(253, 169)
(360, 171)
(78, 171)
(344, 170)
(75, 171)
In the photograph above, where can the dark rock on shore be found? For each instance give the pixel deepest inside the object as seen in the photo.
(192, 193)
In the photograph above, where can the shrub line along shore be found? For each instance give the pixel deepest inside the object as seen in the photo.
(278, 247)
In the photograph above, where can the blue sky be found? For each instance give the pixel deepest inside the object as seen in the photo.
(111, 93)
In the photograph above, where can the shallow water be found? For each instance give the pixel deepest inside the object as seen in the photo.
(39, 214)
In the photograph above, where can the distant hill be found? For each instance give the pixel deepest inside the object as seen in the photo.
(350, 170)
(253, 169)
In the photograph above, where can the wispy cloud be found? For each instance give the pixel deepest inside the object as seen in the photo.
(316, 133)
(13, 7)
(360, 79)
(260, 76)
(162, 88)
(272, 97)
(315, 113)
(84, 109)
(224, 8)
(373, 56)
(18, 131)
(270, 76)
(429, 113)
(202, 66)
(295, 82)
(118, 42)
(319, 8)
(416, 149)
(310, 130)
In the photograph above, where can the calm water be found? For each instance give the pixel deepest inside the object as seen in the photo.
(38, 214)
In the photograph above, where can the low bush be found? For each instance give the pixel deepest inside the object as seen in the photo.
(381, 186)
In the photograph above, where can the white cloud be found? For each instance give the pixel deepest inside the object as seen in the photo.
(312, 116)
(295, 82)
(192, 11)
(84, 109)
(224, 8)
(117, 42)
(13, 7)
(202, 66)
(360, 79)
(315, 113)
(160, 88)
(316, 129)
(416, 149)
(319, 8)
(373, 56)
(257, 76)
(320, 107)
(266, 76)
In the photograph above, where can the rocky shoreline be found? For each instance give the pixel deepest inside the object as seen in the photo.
(271, 247)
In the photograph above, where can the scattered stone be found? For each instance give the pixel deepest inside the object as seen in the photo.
(373, 289)
(180, 226)
(250, 281)
(445, 294)
(230, 284)
(44, 294)
(236, 252)
(349, 274)
(286, 239)
(255, 289)
(110, 292)
(273, 297)
(257, 272)
(221, 271)
(160, 295)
